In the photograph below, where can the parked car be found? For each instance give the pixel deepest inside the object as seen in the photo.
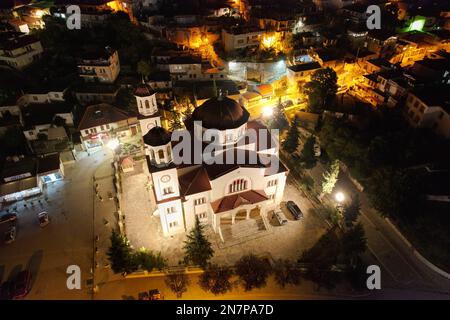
(9, 217)
(10, 235)
(21, 284)
(295, 210)
(5, 291)
(43, 219)
(280, 217)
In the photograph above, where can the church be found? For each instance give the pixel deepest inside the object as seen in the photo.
(216, 192)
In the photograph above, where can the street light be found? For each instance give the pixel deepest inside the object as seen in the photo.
(267, 112)
(340, 197)
(113, 144)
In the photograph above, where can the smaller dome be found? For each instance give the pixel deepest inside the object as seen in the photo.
(157, 136)
(143, 90)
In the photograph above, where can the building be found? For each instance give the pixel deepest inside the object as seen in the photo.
(99, 66)
(87, 93)
(219, 195)
(239, 37)
(301, 72)
(430, 108)
(23, 177)
(148, 116)
(19, 50)
(102, 122)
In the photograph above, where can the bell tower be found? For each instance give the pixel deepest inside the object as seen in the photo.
(149, 116)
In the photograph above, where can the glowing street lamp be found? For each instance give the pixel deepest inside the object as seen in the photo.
(340, 197)
(267, 112)
(113, 144)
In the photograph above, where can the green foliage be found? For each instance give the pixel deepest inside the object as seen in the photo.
(321, 89)
(252, 271)
(177, 282)
(286, 272)
(216, 279)
(175, 122)
(198, 250)
(307, 155)
(352, 210)
(149, 261)
(121, 254)
(291, 142)
(330, 177)
(353, 242)
(278, 120)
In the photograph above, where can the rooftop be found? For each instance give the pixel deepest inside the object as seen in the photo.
(101, 114)
(305, 66)
(435, 96)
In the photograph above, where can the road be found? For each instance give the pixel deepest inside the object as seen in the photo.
(67, 240)
(395, 257)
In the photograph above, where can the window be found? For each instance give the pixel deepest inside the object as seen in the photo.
(102, 128)
(107, 126)
(201, 215)
(86, 131)
(147, 104)
(171, 210)
(237, 185)
(199, 201)
(161, 154)
(173, 224)
(35, 98)
(168, 190)
(271, 196)
(272, 183)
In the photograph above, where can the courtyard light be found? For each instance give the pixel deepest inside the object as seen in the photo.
(340, 197)
(267, 111)
(113, 144)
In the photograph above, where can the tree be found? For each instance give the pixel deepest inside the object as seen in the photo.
(59, 121)
(177, 282)
(143, 68)
(307, 155)
(148, 260)
(354, 243)
(198, 250)
(187, 112)
(352, 210)
(216, 279)
(252, 271)
(175, 121)
(278, 119)
(330, 178)
(286, 272)
(321, 89)
(121, 254)
(291, 142)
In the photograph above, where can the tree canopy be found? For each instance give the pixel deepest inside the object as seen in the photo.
(198, 250)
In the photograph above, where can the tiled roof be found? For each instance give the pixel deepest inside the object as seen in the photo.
(101, 114)
(194, 182)
(236, 200)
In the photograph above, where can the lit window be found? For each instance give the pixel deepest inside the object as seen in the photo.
(238, 185)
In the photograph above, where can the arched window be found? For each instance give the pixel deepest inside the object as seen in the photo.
(238, 185)
(161, 154)
(169, 153)
(152, 154)
(147, 104)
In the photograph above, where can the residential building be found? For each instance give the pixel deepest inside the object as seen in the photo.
(238, 37)
(99, 66)
(430, 108)
(301, 73)
(19, 50)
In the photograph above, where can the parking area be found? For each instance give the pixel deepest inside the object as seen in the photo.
(287, 241)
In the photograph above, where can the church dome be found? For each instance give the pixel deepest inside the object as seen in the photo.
(143, 90)
(157, 136)
(221, 113)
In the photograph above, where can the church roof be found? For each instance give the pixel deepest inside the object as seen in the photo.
(221, 113)
(236, 200)
(101, 114)
(195, 181)
(143, 90)
(157, 136)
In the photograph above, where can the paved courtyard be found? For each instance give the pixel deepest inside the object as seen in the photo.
(289, 241)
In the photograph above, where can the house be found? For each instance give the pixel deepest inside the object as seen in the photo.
(102, 122)
(301, 72)
(221, 195)
(19, 50)
(381, 42)
(99, 65)
(430, 108)
(87, 93)
(23, 177)
(435, 70)
(238, 37)
(39, 118)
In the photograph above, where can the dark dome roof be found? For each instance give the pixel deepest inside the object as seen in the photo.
(157, 136)
(143, 90)
(221, 113)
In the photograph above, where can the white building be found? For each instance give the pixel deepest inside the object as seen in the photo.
(241, 37)
(148, 116)
(218, 194)
(19, 50)
(103, 67)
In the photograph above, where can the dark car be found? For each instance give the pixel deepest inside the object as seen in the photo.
(5, 291)
(21, 284)
(295, 210)
(9, 217)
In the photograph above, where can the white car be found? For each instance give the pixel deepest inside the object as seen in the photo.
(280, 217)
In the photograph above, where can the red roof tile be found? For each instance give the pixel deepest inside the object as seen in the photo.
(236, 200)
